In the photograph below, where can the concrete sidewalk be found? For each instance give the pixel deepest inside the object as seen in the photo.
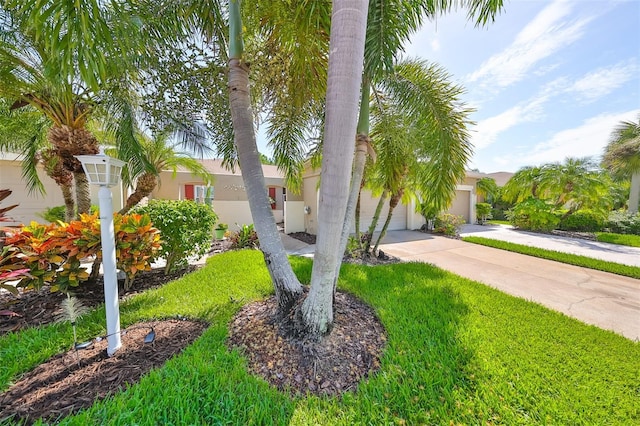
(606, 300)
(594, 249)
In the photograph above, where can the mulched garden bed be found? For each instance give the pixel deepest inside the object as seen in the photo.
(72, 381)
(36, 308)
(330, 366)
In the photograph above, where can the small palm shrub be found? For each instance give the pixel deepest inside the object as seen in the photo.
(448, 224)
(186, 229)
(483, 212)
(245, 237)
(534, 215)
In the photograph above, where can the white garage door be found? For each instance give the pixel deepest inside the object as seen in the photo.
(368, 207)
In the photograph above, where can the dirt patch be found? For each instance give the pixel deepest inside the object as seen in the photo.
(72, 381)
(333, 365)
(304, 237)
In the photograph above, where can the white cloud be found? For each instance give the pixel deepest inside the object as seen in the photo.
(603, 81)
(487, 130)
(546, 34)
(586, 140)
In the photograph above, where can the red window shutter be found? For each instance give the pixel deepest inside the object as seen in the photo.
(188, 192)
(272, 194)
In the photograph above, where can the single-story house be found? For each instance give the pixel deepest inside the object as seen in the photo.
(404, 216)
(229, 199)
(227, 193)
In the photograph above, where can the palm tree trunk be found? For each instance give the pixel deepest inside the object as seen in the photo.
(357, 218)
(287, 287)
(375, 219)
(144, 186)
(363, 144)
(346, 47)
(83, 194)
(393, 202)
(69, 202)
(634, 194)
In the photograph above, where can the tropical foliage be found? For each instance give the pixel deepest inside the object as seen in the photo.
(52, 253)
(622, 158)
(67, 71)
(186, 229)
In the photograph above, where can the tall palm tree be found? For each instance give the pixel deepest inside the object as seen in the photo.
(622, 158)
(348, 29)
(389, 26)
(62, 58)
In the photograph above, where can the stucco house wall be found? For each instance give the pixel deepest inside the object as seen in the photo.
(32, 205)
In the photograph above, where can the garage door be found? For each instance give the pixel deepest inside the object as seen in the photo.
(461, 205)
(368, 206)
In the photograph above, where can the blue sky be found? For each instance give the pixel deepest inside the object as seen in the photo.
(548, 79)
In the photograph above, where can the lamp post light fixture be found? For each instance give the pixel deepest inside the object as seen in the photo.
(105, 171)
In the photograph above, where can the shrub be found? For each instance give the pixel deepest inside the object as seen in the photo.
(53, 214)
(483, 212)
(186, 229)
(621, 222)
(448, 224)
(52, 253)
(245, 237)
(533, 214)
(583, 220)
(57, 213)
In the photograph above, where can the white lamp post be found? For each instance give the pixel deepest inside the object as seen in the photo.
(105, 171)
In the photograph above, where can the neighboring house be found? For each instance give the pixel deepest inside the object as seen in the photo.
(404, 216)
(228, 195)
(229, 199)
(501, 178)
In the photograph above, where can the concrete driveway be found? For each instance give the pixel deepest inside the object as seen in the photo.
(609, 301)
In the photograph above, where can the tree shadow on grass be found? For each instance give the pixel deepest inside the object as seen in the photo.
(425, 364)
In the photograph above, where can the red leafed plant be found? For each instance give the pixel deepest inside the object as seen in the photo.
(52, 254)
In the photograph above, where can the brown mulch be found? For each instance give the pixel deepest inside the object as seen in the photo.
(330, 366)
(304, 237)
(36, 308)
(72, 381)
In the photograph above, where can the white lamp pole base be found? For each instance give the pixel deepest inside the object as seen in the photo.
(109, 271)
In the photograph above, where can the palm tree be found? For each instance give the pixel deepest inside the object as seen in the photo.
(61, 59)
(422, 151)
(525, 183)
(162, 156)
(488, 189)
(574, 184)
(348, 28)
(389, 26)
(622, 158)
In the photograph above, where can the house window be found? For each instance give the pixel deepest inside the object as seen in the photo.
(199, 193)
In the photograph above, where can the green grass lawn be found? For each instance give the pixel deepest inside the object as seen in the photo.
(622, 239)
(571, 259)
(458, 352)
(498, 222)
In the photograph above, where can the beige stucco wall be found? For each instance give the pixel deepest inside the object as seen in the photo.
(31, 205)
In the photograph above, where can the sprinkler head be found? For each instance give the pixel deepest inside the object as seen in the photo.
(83, 345)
